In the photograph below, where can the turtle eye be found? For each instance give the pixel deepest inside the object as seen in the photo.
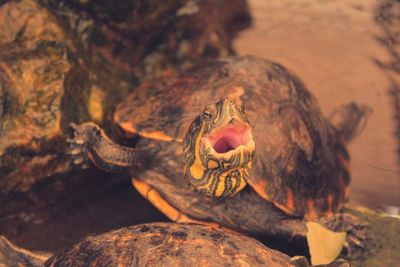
(207, 114)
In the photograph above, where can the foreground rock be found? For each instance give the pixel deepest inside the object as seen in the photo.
(384, 240)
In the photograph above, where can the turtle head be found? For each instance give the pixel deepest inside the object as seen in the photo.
(219, 148)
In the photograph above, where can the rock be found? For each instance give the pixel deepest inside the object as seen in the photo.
(145, 36)
(383, 244)
(34, 74)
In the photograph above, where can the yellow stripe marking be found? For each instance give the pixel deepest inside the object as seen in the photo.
(197, 168)
(168, 210)
(241, 157)
(221, 184)
(209, 183)
(212, 164)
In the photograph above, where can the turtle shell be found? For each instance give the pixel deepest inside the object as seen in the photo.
(301, 163)
(169, 244)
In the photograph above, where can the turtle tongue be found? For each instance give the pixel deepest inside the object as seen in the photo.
(229, 138)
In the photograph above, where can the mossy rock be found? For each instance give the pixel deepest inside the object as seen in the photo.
(384, 246)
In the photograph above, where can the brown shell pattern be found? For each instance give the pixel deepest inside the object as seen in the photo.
(301, 163)
(169, 244)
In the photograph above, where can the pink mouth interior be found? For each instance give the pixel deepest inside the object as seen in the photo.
(229, 138)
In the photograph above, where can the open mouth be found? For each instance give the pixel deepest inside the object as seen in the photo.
(230, 137)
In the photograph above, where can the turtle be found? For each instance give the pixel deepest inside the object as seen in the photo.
(159, 244)
(237, 143)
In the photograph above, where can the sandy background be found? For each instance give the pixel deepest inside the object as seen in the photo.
(333, 47)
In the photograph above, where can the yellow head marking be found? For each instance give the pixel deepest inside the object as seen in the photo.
(218, 148)
(197, 168)
(212, 164)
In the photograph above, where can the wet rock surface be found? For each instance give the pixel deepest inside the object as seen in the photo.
(33, 68)
(383, 241)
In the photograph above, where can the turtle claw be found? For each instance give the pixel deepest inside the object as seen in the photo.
(74, 151)
(79, 145)
(78, 156)
(357, 232)
(85, 166)
(79, 161)
(74, 126)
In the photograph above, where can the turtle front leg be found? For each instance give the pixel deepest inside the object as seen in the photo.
(356, 230)
(90, 143)
(78, 145)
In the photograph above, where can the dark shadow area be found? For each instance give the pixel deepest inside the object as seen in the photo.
(104, 202)
(98, 206)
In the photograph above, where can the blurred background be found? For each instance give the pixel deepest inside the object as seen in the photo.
(344, 51)
(73, 61)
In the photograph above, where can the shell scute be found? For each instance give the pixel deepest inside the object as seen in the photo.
(169, 244)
